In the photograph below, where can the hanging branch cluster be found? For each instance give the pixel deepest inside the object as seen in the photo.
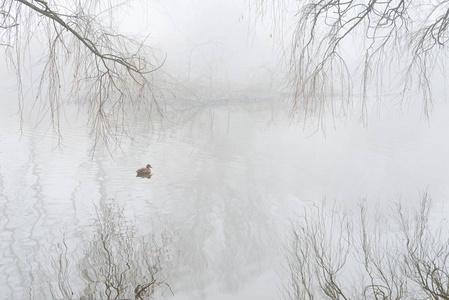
(85, 60)
(393, 44)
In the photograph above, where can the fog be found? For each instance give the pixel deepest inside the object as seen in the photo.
(234, 167)
(214, 49)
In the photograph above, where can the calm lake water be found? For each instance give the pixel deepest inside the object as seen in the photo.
(228, 179)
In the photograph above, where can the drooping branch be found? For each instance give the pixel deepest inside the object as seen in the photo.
(85, 60)
(346, 52)
(46, 11)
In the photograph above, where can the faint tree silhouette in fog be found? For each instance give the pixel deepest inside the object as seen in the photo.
(82, 58)
(347, 50)
(335, 255)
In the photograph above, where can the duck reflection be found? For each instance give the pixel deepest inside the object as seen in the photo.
(148, 176)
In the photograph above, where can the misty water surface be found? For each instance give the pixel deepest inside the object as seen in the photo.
(229, 176)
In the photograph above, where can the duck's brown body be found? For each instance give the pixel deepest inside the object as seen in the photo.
(144, 171)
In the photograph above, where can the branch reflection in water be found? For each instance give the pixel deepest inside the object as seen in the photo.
(115, 263)
(335, 255)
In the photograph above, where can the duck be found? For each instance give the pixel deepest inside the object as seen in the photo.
(144, 171)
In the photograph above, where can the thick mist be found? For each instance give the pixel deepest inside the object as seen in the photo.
(213, 49)
(252, 185)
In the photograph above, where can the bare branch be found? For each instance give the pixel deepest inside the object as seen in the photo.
(344, 53)
(85, 61)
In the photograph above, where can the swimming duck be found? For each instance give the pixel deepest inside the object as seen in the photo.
(144, 171)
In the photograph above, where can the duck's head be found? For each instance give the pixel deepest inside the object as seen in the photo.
(148, 166)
